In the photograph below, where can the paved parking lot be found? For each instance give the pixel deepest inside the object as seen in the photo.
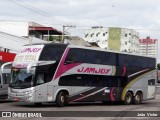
(151, 105)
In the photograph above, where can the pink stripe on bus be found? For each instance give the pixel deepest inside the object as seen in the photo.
(124, 71)
(62, 68)
(111, 94)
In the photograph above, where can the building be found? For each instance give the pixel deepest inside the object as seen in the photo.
(13, 35)
(148, 46)
(28, 29)
(114, 38)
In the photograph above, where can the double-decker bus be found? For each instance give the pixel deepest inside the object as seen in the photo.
(63, 73)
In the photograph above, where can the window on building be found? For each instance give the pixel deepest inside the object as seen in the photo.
(86, 35)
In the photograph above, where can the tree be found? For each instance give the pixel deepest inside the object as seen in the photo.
(50, 38)
(158, 66)
(55, 38)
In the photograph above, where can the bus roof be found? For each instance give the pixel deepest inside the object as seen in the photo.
(89, 48)
(100, 49)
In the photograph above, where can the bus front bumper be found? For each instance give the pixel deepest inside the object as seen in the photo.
(22, 97)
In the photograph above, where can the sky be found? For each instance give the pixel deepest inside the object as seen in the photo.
(141, 15)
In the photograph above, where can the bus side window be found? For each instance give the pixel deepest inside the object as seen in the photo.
(74, 56)
(89, 57)
(124, 60)
(151, 82)
(41, 78)
(110, 58)
(71, 57)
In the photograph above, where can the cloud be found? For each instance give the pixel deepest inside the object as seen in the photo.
(142, 15)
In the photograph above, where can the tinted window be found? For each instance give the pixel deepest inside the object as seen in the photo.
(135, 61)
(151, 82)
(89, 56)
(45, 73)
(148, 62)
(76, 55)
(110, 58)
(52, 52)
(124, 60)
(92, 80)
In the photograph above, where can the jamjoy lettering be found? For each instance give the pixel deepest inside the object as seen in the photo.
(31, 50)
(93, 70)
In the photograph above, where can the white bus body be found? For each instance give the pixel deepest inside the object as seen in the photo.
(63, 73)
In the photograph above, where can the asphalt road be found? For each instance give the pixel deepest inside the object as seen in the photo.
(149, 106)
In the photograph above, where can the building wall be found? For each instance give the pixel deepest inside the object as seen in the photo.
(148, 46)
(114, 39)
(119, 39)
(15, 28)
(12, 43)
(129, 41)
(97, 35)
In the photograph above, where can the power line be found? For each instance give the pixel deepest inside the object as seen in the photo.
(43, 13)
(33, 9)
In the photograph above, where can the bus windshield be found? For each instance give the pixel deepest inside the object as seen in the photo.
(20, 79)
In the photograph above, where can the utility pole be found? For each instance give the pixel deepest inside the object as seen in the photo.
(66, 26)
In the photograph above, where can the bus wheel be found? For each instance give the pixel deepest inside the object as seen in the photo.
(137, 98)
(62, 99)
(128, 98)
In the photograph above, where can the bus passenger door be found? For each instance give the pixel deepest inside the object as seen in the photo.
(151, 89)
(41, 88)
(41, 93)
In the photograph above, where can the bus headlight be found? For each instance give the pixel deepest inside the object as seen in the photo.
(29, 98)
(29, 92)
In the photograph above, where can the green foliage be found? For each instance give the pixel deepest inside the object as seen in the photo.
(50, 38)
(158, 66)
(55, 38)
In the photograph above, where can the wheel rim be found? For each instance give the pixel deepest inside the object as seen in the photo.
(128, 99)
(62, 99)
(138, 98)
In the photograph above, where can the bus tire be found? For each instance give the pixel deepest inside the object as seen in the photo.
(61, 99)
(128, 98)
(137, 98)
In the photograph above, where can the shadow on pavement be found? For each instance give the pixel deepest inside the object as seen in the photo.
(73, 104)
